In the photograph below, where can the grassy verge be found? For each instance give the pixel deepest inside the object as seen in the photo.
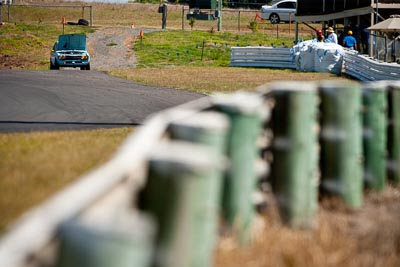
(215, 79)
(35, 165)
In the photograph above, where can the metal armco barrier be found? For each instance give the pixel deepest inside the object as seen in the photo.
(192, 164)
(366, 69)
(358, 66)
(394, 132)
(340, 139)
(294, 177)
(267, 57)
(375, 134)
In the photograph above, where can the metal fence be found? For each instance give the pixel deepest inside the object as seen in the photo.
(386, 49)
(14, 13)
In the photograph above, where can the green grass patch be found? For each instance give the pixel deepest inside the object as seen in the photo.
(196, 48)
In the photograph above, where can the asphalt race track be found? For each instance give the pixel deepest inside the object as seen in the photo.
(72, 99)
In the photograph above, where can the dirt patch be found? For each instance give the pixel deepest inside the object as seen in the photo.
(112, 48)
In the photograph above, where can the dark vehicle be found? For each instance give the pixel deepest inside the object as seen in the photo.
(70, 51)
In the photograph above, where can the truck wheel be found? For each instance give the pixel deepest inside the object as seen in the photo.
(55, 66)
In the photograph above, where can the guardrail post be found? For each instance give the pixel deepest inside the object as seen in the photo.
(294, 176)
(374, 134)
(125, 244)
(178, 193)
(244, 111)
(341, 141)
(91, 16)
(394, 132)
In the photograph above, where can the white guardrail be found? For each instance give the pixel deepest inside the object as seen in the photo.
(358, 66)
(267, 57)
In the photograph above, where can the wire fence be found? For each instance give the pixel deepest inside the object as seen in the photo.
(386, 49)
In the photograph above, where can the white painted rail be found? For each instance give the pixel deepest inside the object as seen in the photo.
(267, 57)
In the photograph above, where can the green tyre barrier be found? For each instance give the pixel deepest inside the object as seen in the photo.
(375, 134)
(341, 141)
(394, 132)
(181, 194)
(210, 129)
(245, 114)
(294, 176)
(126, 244)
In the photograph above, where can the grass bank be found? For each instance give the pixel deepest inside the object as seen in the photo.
(35, 165)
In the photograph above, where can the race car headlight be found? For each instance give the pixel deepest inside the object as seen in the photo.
(85, 57)
(61, 56)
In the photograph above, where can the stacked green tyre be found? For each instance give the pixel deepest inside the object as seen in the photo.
(341, 141)
(375, 134)
(294, 176)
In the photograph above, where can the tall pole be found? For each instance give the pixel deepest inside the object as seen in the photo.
(183, 18)
(219, 15)
(1, 15)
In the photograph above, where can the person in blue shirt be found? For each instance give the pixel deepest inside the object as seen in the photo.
(349, 41)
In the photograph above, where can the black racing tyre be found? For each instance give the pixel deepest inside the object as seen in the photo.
(83, 22)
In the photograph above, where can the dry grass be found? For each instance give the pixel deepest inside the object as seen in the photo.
(143, 16)
(35, 165)
(368, 237)
(216, 79)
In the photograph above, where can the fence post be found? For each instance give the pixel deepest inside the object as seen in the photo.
(394, 132)
(341, 141)
(294, 176)
(128, 243)
(239, 21)
(181, 194)
(374, 134)
(1, 12)
(244, 112)
(91, 16)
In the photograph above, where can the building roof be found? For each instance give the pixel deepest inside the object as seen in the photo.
(392, 24)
